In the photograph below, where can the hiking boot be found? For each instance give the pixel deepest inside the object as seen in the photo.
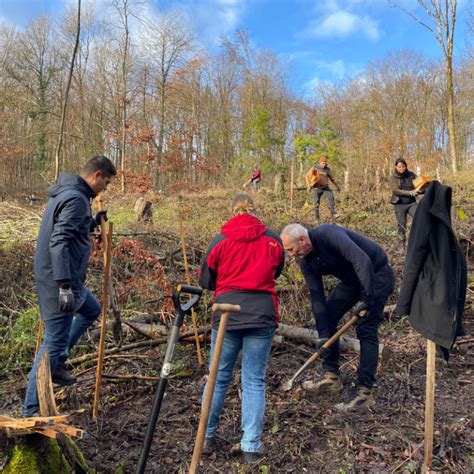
(210, 445)
(62, 376)
(252, 457)
(328, 383)
(361, 401)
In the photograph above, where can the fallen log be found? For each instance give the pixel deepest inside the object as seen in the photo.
(311, 337)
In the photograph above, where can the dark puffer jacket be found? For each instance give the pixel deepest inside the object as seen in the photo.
(63, 246)
(401, 185)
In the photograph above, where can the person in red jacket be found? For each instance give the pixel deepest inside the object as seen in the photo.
(240, 266)
(255, 178)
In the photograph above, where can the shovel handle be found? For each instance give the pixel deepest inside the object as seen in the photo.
(325, 346)
(211, 382)
(225, 308)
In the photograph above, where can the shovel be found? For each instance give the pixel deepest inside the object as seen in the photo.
(226, 309)
(181, 310)
(289, 384)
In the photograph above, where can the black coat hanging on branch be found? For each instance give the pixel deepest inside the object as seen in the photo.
(434, 284)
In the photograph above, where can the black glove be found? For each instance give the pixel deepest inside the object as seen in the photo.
(361, 309)
(99, 216)
(96, 220)
(66, 298)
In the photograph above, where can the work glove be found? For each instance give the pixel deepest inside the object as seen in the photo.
(99, 216)
(413, 193)
(361, 309)
(96, 220)
(66, 298)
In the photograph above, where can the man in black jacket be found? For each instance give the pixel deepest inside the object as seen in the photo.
(365, 277)
(63, 248)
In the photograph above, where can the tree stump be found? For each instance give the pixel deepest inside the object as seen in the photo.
(36, 454)
(143, 210)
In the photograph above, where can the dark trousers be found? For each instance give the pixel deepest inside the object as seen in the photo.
(341, 300)
(401, 213)
(318, 193)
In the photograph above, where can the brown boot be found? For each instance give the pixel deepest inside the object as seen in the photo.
(361, 401)
(328, 383)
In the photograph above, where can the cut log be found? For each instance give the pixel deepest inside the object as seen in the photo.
(44, 386)
(311, 337)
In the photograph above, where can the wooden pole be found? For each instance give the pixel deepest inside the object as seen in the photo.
(291, 186)
(44, 386)
(226, 309)
(188, 281)
(429, 404)
(103, 326)
(39, 336)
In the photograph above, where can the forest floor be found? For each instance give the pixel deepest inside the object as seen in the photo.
(303, 433)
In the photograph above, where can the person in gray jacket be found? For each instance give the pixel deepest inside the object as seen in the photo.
(63, 249)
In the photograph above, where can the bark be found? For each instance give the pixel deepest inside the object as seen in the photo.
(311, 337)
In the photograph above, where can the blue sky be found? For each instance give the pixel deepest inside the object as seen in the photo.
(324, 40)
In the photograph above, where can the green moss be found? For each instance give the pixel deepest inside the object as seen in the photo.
(23, 461)
(79, 456)
(42, 455)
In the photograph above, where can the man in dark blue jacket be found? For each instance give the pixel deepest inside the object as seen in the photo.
(365, 278)
(63, 249)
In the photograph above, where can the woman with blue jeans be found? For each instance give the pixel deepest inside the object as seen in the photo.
(241, 265)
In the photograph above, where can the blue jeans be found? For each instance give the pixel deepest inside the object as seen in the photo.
(60, 335)
(255, 345)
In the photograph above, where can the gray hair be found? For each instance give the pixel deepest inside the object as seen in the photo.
(294, 231)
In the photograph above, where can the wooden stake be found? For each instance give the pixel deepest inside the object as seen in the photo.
(429, 404)
(188, 281)
(226, 309)
(103, 326)
(291, 185)
(44, 386)
(39, 336)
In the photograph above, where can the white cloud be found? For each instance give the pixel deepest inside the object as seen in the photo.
(215, 18)
(342, 24)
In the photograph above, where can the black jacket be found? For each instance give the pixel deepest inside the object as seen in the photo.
(345, 254)
(434, 283)
(401, 185)
(63, 247)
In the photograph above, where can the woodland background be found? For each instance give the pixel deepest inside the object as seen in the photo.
(185, 127)
(175, 116)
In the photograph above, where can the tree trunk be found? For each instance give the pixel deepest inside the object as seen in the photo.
(451, 123)
(66, 94)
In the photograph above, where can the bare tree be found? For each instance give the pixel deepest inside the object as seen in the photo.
(167, 44)
(68, 86)
(442, 14)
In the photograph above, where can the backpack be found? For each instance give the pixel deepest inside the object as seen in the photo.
(312, 178)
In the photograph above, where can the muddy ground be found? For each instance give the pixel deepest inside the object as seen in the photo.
(303, 433)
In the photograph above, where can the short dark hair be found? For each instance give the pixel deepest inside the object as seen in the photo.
(99, 163)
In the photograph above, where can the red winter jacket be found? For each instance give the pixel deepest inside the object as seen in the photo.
(241, 265)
